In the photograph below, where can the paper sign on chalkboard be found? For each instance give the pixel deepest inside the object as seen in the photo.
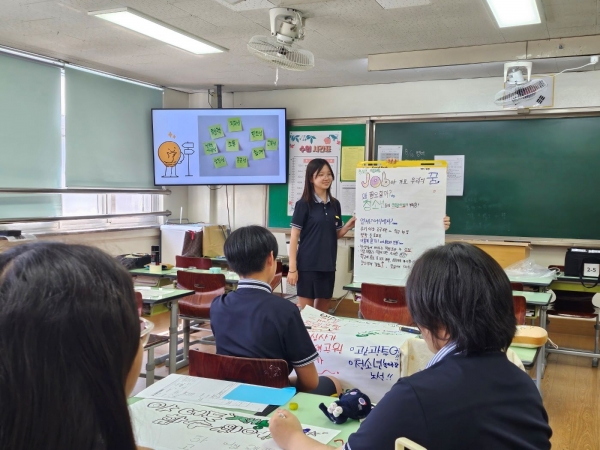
(399, 215)
(219, 161)
(272, 144)
(257, 134)
(234, 124)
(241, 162)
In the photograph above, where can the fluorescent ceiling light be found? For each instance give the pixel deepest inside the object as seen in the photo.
(514, 13)
(136, 21)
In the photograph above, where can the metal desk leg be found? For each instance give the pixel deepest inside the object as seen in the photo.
(541, 363)
(173, 336)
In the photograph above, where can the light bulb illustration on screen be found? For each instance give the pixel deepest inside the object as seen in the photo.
(170, 155)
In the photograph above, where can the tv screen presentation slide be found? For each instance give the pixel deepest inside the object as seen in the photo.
(219, 146)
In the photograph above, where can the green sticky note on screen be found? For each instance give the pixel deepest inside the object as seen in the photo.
(256, 134)
(210, 148)
(234, 124)
(241, 162)
(272, 144)
(258, 153)
(216, 131)
(232, 145)
(219, 161)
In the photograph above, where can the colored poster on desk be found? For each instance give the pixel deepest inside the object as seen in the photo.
(304, 147)
(166, 425)
(399, 214)
(362, 354)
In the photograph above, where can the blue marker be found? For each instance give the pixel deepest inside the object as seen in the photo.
(410, 330)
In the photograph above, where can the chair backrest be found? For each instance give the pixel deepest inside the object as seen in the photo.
(385, 303)
(405, 443)
(520, 308)
(516, 286)
(264, 372)
(190, 261)
(276, 281)
(207, 287)
(139, 300)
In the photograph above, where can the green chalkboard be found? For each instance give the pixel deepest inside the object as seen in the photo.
(278, 194)
(526, 178)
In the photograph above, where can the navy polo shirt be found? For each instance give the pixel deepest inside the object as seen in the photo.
(251, 322)
(461, 402)
(318, 223)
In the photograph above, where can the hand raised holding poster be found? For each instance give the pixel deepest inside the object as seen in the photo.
(400, 213)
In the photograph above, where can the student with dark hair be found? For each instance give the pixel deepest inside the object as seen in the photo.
(470, 396)
(252, 322)
(316, 227)
(70, 349)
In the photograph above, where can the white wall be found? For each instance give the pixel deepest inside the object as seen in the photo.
(572, 90)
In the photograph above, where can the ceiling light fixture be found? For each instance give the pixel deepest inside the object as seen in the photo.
(136, 21)
(514, 13)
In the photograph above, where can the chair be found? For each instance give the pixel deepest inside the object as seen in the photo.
(520, 306)
(155, 340)
(405, 443)
(196, 307)
(263, 372)
(183, 262)
(276, 282)
(574, 305)
(384, 303)
(516, 286)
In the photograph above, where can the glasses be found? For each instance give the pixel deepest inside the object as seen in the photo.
(146, 328)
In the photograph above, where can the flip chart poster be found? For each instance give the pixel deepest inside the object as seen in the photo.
(306, 146)
(399, 214)
(362, 354)
(164, 425)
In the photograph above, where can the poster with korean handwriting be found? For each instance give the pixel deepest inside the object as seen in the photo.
(305, 146)
(362, 354)
(400, 212)
(165, 425)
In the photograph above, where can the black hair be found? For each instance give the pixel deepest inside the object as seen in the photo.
(460, 288)
(247, 249)
(313, 168)
(69, 334)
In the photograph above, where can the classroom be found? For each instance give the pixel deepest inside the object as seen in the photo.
(94, 110)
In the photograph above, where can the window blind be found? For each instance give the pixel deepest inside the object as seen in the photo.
(108, 131)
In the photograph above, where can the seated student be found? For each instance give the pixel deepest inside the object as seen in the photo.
(70, 349)
(470, 396)
(251, 322)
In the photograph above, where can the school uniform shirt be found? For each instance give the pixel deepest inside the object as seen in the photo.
(460, 402)
(318, 224)
(251, 322)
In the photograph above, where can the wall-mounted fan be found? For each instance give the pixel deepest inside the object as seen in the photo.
(519, 87)
(278, 50)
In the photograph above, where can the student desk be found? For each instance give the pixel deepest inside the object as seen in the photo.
(169, 297)
(230, 277)
(308, 413)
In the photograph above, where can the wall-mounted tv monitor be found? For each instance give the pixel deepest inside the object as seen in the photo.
(219, 146)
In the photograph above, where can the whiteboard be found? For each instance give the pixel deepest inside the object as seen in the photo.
(399, 212)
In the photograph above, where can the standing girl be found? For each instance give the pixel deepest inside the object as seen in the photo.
(316, 225)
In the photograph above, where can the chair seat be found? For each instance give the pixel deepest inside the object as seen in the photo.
(198, 305)
(155, 340)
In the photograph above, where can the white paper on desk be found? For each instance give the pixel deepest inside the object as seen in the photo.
(456, 173)
(164, 425)
(204, 391)
(362, 354)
